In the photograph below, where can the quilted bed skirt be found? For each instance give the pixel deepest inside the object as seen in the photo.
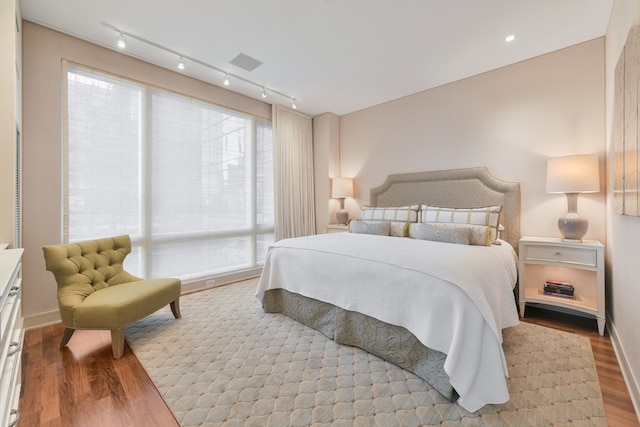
(392, 343)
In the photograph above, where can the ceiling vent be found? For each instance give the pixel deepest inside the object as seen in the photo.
(245, 62)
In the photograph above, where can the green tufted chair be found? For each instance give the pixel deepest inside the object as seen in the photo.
(94, 291)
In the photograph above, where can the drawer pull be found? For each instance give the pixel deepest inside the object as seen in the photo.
(15, 421)
(558, 254)
(16, 348)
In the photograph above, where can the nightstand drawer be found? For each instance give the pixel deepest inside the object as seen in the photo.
(565, 255)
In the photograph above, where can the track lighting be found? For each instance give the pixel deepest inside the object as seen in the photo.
(122, 41)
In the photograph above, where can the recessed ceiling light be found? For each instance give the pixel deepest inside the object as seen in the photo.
(510, 38)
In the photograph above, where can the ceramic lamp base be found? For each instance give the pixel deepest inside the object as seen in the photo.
(342, 216)
(573, 227)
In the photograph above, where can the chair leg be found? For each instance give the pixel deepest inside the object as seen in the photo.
(175, 308)
(117, 342)
(66, 337)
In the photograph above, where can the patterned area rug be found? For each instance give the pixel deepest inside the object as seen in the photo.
(227, 363)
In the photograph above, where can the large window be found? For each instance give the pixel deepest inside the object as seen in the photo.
(190, 182)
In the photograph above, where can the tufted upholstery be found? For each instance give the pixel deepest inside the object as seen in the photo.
(95, 292)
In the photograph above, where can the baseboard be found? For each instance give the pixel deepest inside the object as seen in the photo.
(633, 386)
(220, 280)
(41, 320)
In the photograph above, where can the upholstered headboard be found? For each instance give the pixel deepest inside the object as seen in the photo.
(455, 188)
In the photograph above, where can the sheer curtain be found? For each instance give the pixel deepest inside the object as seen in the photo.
(189, 181)
(293, 174)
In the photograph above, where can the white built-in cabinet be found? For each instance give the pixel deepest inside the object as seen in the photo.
(11, 334)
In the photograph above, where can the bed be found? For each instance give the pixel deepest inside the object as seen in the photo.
(408, 300)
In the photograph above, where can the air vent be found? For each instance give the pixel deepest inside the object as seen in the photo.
(245, 62)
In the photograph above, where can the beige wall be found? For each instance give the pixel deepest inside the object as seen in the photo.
(623, 232)
(44, 50)
(326, 163)
(510, 120)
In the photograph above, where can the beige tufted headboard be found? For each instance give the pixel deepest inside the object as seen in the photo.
(455, 188)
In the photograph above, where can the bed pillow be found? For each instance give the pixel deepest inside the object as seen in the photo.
(440, 233)
(479, 235)
(488, 216)
(396, 214)
(379, 228)
(399, 229)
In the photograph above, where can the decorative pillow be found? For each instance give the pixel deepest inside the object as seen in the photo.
(379, 228)
(399, 214)
(440, 233)
(479, 235)
(488, 215)
(399, 229)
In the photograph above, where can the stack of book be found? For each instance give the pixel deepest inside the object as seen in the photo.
(558, 288)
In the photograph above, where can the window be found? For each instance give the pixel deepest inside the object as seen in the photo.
(190, 182)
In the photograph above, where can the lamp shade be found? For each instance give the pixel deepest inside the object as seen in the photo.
(342, 188)
(573, 174)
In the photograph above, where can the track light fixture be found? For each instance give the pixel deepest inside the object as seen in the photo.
(122, 43)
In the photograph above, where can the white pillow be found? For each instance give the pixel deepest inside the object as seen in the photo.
(487, 215)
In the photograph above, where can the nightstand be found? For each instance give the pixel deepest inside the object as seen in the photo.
(579, 263)
(337, 228)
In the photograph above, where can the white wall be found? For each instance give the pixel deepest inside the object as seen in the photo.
(510, 120)
(623, 232)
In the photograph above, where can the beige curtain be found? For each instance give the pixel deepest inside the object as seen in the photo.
(293, 164)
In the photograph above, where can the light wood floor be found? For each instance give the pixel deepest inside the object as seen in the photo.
(82, 385)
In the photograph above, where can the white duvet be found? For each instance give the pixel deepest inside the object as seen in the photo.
(454, 298)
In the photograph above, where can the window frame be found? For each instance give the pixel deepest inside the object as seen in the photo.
(146, 240)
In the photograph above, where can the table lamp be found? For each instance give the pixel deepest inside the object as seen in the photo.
(573, 175)
(341, 189)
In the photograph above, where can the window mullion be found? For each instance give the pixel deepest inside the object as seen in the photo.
(254, 192)
(147, 184)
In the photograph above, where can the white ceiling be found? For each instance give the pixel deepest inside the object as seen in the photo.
(334, 56)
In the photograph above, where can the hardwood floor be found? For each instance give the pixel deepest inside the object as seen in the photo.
(82, 385)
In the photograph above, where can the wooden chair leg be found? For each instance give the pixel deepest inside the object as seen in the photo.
(117, 343)
(66, 337)
(175, 308)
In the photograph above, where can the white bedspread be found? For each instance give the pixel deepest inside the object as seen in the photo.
(454, 298)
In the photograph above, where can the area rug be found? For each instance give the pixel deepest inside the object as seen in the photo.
(227, 363)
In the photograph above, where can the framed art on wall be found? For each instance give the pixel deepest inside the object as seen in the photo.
(627, 126)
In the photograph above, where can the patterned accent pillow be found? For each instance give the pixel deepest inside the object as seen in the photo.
(488, 215)
(399, 229)
(398, 214)
(379, 228)
(479, 235)
(440, 233)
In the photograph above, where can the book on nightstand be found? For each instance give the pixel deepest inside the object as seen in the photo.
(559, 288)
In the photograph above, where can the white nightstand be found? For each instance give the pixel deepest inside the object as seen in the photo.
(337, 228)
(581, 264)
